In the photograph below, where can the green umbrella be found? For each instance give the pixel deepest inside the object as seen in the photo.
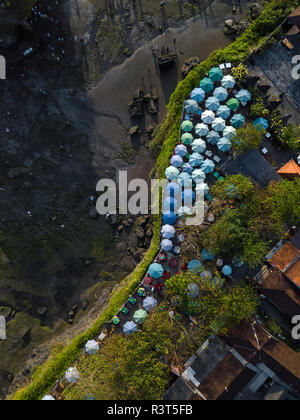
(187, 138)
(216, 74)
(207, 84)
(187, 126)
(140, 316)
(233, 104)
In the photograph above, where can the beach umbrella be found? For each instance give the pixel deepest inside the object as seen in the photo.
(187, 167)
(229, 132)
(207, 84)
(181, 238)
(171, 173)
(177, 250)
(223, 112)
(198, 94)
(218, 124)
(172, 189)
(208, 116)
(185, 179)
(188, 196)
(72, 375)
(198, 175)
(208, 166)
(140, 316)
(224, 144)
(193, 290)
(216, 74)
(191, 106)
(184, 211)
(48, 398)
(221, 94)
(238, 120)
(261, 124)
(155, 270)
(212, 103)
(201, 129)
(201, 188)
(206, 275)
(227, 270)
(237, 261)
(195, 159)
(130, 327)
(180, 150)
(198, 146)
(243, 96)
(168, 232)
(213, 137)
(169, 218)
(166, 245)
(187, 126)
(149, 303)
(170, 204)
(92, 347)
(207, 255)
(187, 138)
(195, 266)
(233, 104)
(228, 82)
(177, 161)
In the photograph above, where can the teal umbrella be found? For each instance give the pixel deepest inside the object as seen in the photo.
(208, 166)
(261, 124)
(195, 159)
(223, 112)
(198, 94)
(212, 103)
(155, 270)
(187, 126)
(191, 106)
(218, 124)
(171, 173)
(208, 116)
(213, 137)
(228, 82)
(207, 85)
(243, 96)
(198, 146)
(233, 104)
(195, 266)
(224, 144)
(201, 129)
(140, 316)
(216, 74)
(207, 255)
(187, 138)
(229, 132)
(221, 94)
(238, 120)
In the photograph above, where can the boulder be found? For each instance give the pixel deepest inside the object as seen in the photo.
(255, 10)
(151, 107)
(189, 64)
(134, 130)
(140, 233)
(136, 108)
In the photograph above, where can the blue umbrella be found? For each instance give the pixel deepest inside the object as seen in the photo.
(198, 94)
(227, 270)
(173, 188)
(198, 146)
(185, 179)
(198, 175)
(238, 120)
(166, 245)
(221, 94)
(188, 196)
(92, 347)
(169, 218)
(170, 204)
(243, 96)
(223, 112)
(207, 255)
(172, 173)
(218, 124)
(193, 290)
(208, 116)
(224, 144)
(201, 129)
(180, 150)
(261, 124)
(213, 137)
(207, 84)
(195, 266)
(229, 132)
(216, 74)
(130, 327)
(195, 159)
(228, 82)
(149, 303)
(187, 168)
(168, 231)
(212, 103)
(191, 106)
(177, 161)
(156, 270)
(208, 166)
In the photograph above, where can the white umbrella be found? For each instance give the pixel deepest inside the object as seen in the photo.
(166, 245)
(228, 82)
(149, 303)
(198, 175)
(168, 232)
(213, 137)
(202, 188)
(172, 173)
(198, 146)
(208, 116)
(229, 132)
(130, 327)
(72, 375)
(218, 124)
(201, 129)
(48, 398)
(92, 347)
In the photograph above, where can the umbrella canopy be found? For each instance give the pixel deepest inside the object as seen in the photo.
(187, 126)
(206, 275)
(193, 290)
(187, 138)
(92, 347)
(195, 266)
(180, 150)
(198, 175)
(169, 218)
(243, 96)
(201, 188)
(130, 327)
(168, 232)
(166, 245)
(172, 189)
(216, 74)
(208, 166)
(156, 270)
(233, 104)
(195, 159)
(48, 398)
(185, 179)
(201, 129)
(140, 316)
(177, 161)
(224, 144)
(170, 204)
(188, 196)
(213, 137)
(187, 167)
(172, 173)
(207, 255)
(198, 146)
(212, 103)
(183, 211)
(228, 82)
(238, 120)
(207, 84)
(198, 94)
(218, 124)
(223, 112)
(221, 94)
(149, 303)
(208, 116)
(227, 270)
(72, 375)
(191, 106)
(261, 124)
(229, 132)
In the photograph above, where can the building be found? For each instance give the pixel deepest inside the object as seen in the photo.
(246, 364)
(290, 171)
(287, 261)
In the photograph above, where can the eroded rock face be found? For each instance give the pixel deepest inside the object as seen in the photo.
(189, 65)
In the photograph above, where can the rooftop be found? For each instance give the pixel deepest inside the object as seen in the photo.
(285, 256)
(293, 273)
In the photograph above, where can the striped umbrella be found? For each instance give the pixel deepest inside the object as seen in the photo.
(198, 175)
(185, 179)
(233, 104)
(177, 161)
(168, 231)
(224, 144)
(191, 106)
(195, 159)
(208, 166)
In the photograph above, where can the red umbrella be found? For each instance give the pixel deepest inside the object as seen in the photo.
(148, 281)
(173, 263)
(166, 275)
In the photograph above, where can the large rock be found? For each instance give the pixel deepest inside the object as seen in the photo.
(255, 10)
(136, 108)
(189, 65)
(134, 130)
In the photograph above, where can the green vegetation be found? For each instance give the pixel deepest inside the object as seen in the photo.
(288, 136)
(240, 72)
(247, 138)
(258, 109)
